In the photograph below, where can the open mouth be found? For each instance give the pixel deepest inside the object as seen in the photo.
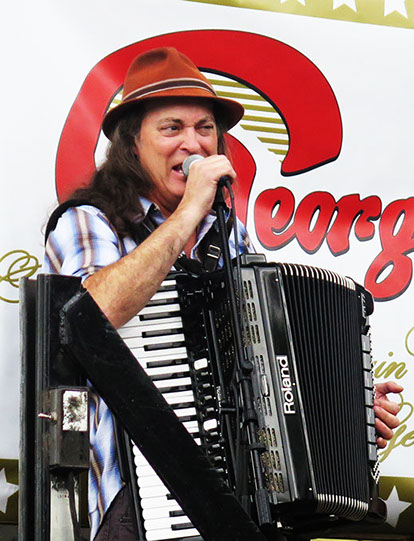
(178, 168)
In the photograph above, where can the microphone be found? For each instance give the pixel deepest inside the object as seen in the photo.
(188, 162)
(196, 158)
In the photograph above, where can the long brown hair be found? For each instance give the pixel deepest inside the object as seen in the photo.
(118, 183)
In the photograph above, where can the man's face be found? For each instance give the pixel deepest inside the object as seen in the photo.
(171, 132)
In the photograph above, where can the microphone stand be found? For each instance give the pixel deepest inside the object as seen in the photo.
(244, 367)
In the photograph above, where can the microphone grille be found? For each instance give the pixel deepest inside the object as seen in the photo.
(189, 160)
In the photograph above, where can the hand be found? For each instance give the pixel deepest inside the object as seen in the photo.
(386, 411)
(202, 181)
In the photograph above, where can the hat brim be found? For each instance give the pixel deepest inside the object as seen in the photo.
(230, 111)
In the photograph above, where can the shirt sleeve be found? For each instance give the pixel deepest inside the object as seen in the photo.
(245, 245)
(82, 243)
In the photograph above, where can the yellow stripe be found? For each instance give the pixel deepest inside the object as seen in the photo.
(263, 128)
(278, 151)
(274, 141)
(263, 108)
(269, 119)
(234, 84)
(237, 96)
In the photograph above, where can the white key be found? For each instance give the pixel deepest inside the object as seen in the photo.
(172, 382)
(143, 470)
(151, 492)
(159, 535)
(167, 353)
(179, 396)
(171, 356)
(163, 295)
(167, 370)
(161, 512)
(139, 342)
(149, 481)
(159, 502)
(191, 426)
(183, 412)
(164, 522)
(161, 309)
(158, 325)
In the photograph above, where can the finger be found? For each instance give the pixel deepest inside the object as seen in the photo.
(383, 430)
(386, 417)
(388, 387)
(211, 169)
(388, 405)
(381, 443)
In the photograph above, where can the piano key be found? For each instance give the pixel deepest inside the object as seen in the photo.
(163, 295)
(149, 313)
(182, 525)
(150, 492)
(163, 512)
(179, 396)
(143, 470)
(181, 384)
(153, 310)
(167, 534)
(152, 326)
(150, 481)
(159, 363)
(185, 412)
(159, 315)
(145, 342)
(169, 360)
(167, 370)
(169, 283)
(175, 353)
(159, 503)
(178, 513)
(168, 522)
(171, 376)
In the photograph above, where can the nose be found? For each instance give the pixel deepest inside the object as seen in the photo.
(190, 140)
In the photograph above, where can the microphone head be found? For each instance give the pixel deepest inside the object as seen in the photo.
(190, 160)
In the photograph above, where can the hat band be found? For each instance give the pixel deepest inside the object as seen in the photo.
(168, 84)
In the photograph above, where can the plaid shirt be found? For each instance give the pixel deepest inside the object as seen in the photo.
(82, 243)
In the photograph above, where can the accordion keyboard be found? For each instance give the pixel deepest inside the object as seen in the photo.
(156, 339)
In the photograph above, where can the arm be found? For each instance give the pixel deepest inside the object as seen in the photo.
(386, 411)
(124, 287)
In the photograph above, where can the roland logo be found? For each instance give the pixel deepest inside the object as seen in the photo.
(284, 370)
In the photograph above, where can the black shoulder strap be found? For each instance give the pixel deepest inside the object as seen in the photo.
(209, 249)
(57, 213)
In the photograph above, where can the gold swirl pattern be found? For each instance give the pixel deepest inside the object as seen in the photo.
(16, 264)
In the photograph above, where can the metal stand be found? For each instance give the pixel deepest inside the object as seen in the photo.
(243, 375)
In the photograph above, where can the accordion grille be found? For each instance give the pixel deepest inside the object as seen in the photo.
(325, 321)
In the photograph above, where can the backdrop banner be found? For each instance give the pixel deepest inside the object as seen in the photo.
(323, 155)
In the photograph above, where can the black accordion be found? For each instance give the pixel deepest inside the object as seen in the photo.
(308, 357)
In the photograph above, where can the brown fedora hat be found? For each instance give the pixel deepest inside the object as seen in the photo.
(167, 73)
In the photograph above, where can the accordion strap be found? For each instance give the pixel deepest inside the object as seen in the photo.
(209, 249)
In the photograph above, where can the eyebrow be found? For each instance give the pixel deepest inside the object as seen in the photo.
(207, 118)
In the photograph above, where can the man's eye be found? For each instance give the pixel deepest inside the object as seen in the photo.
(170, 129)
(207, 127)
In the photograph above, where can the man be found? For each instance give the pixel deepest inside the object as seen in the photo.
(126, 231)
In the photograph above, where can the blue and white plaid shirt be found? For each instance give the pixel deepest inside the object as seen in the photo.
(82, 243)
